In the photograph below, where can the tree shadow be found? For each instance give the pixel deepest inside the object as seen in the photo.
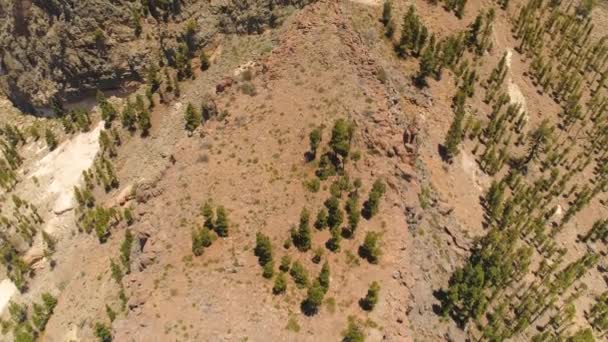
(309, 156)
(347, 233)
(365, 305)
(443, 153)
(366, 212)
(308, 308)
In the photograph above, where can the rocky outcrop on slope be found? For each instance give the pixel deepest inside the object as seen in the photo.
(57, 48)
(254, 16)
(62, 50)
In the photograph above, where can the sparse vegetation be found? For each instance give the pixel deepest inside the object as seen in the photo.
(353, 332)
(371, 206)
(280, 284)
(371, 298)
(299, 274)
(302, 236)
(51, 139)
(370, 249)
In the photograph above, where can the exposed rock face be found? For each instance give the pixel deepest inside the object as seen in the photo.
(253, 16)
(57, 50)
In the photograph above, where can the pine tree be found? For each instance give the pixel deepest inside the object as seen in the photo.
(335, 215)
(315, 139)
(413, 35)
(192, 118)
(538, 139)
(370, 249)
(144, 122)
(318, 254)
(111, 313)
(454, 136)
(285, 263)
(371, 299)
(51, 139)
(205, 64)
(268, 269)
(354, 215)
(341, 136)
(389, 29)
(125, 250)
(333, 244)
(459, 10)
(136, 21)
(221, 222)
(153, 79)
(128, 116)
(299, 275)
(190, 36)
(324, 277)
(321, 221)
(208, 216)
(474, 30)
(280, 284)
(116, 271)
(428, 64)
(176, 88)
(263, 248)
(314, 299)
(302, 236)
(387, 10)
(353, 333)
(103, 332)
(182, 63)
(371, 206)
(108, 112)
(201, 238)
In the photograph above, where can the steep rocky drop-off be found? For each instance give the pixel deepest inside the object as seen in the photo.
(56, 51)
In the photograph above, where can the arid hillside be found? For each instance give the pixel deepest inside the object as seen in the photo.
(303, 170)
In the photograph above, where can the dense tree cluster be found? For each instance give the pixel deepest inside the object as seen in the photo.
(28, 325)
(136, 115)
(479, 34)
(263, 250)
(456, 6)
(214, 225)
(413, 35)
(598, 315)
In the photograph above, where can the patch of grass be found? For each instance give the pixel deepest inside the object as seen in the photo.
(292, 324)
(248, 88)
(330, 304)
(313, 185)
(424, 197)
(370, 323)
(382, 75)
(351, 259)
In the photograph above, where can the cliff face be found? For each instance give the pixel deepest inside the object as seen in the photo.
(56, 48)
(60, 50)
